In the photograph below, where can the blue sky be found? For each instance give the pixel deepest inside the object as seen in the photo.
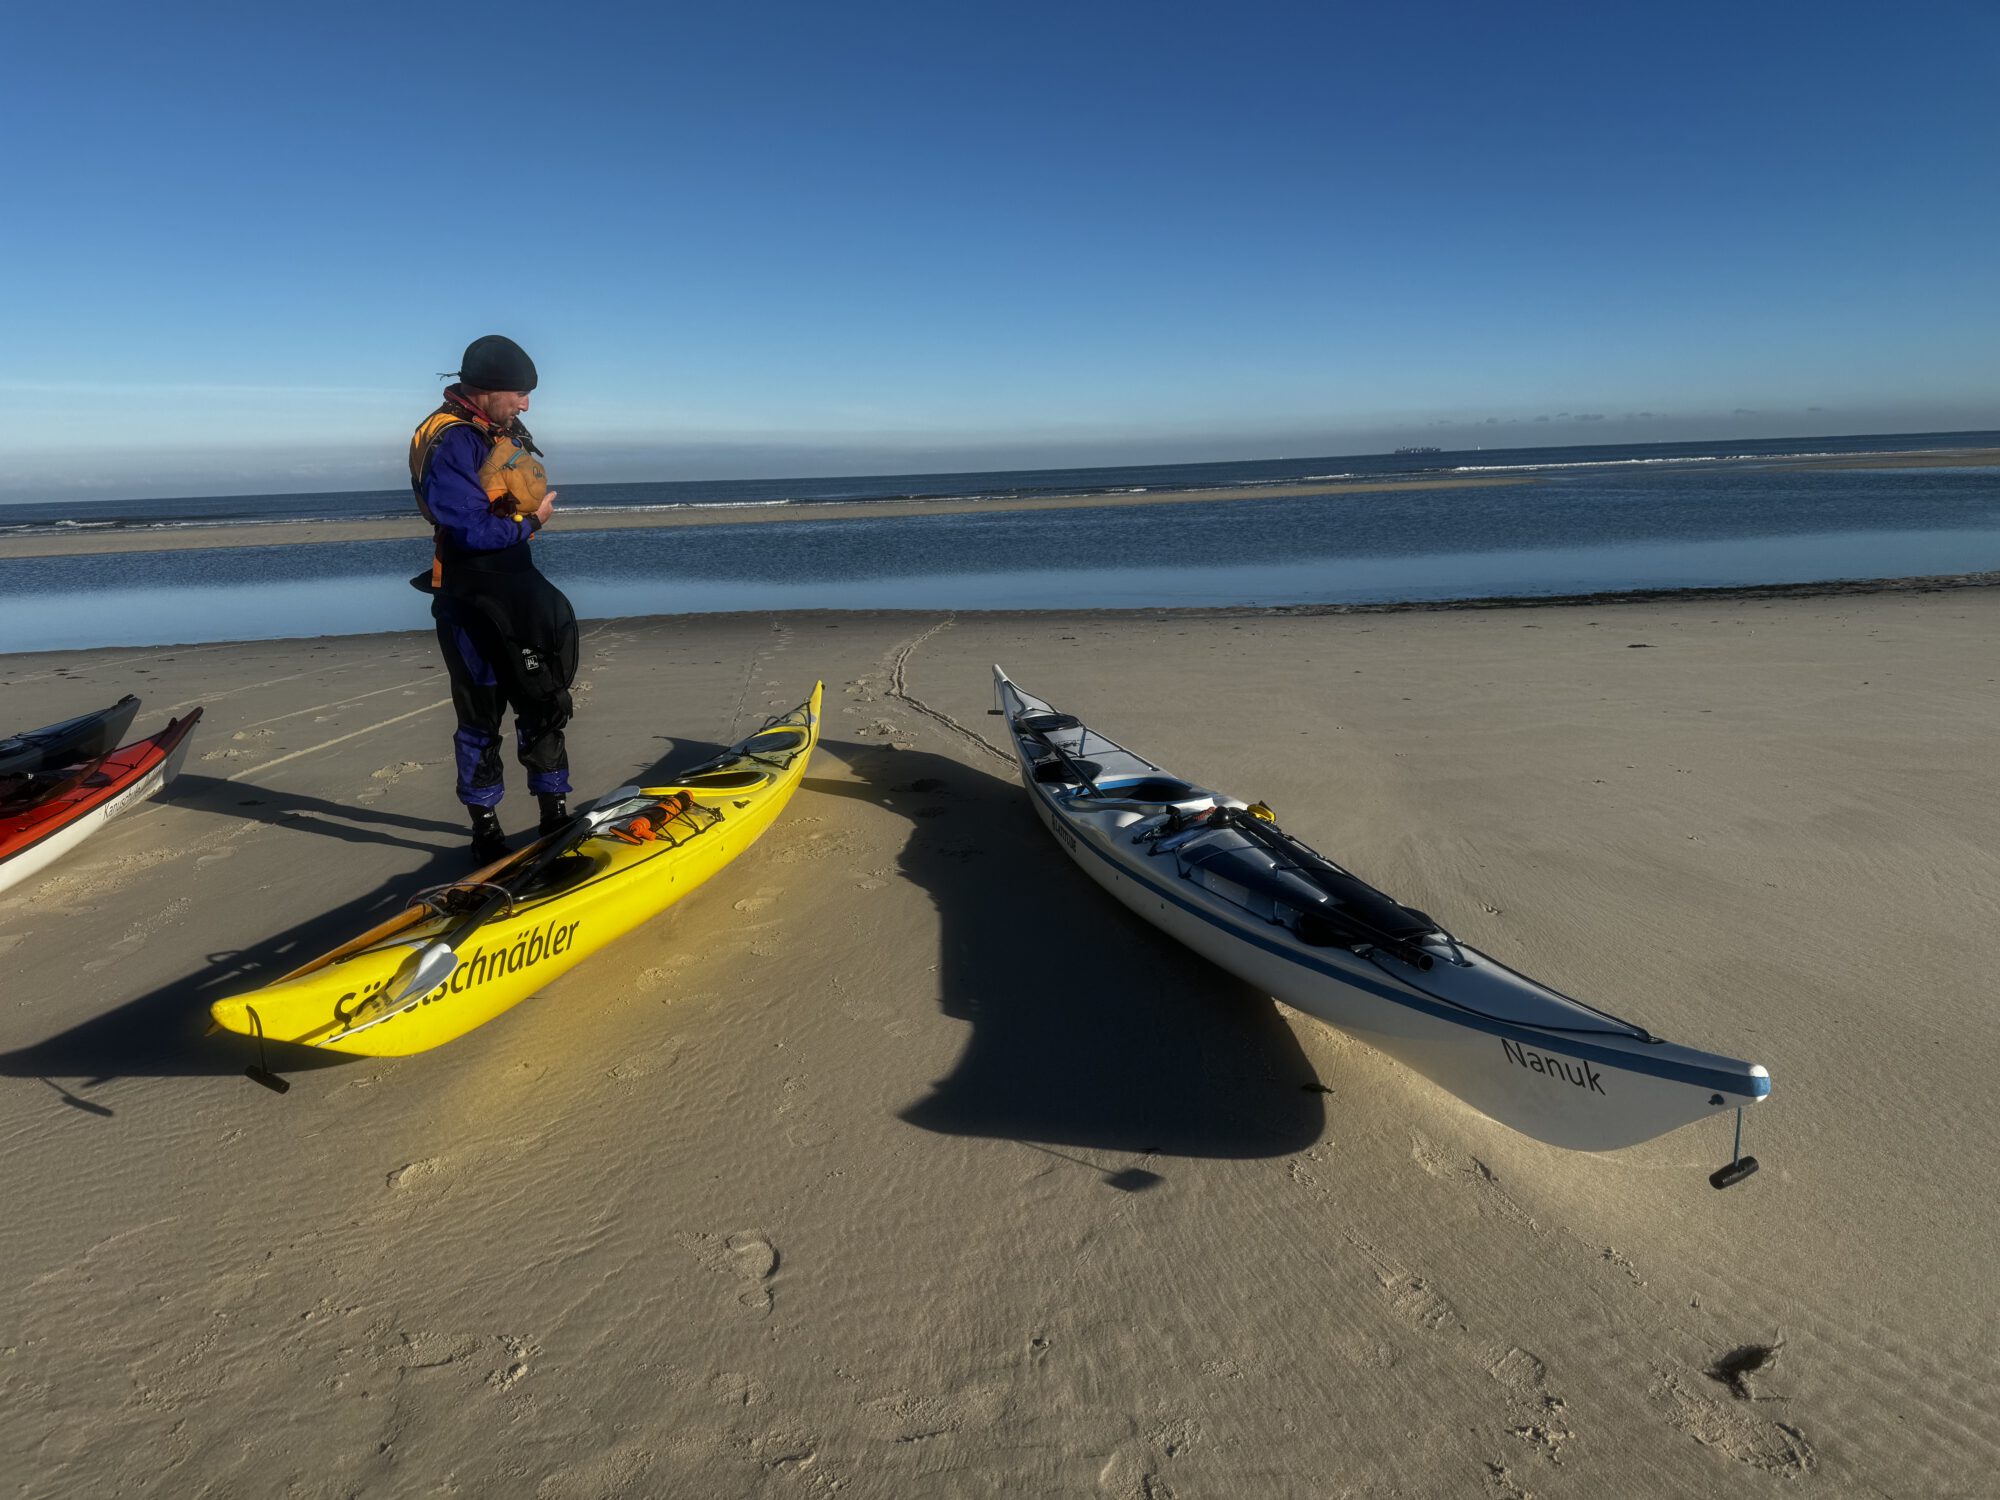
(241, 241)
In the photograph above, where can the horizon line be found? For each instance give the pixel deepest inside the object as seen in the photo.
(1404, 451)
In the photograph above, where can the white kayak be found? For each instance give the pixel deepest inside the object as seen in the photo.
(1221, 877)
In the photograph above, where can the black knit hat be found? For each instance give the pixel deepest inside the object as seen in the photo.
(497, 363)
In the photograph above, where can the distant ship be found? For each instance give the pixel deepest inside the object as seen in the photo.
(1400, 452)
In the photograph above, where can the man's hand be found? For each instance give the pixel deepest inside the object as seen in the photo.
(543, 511)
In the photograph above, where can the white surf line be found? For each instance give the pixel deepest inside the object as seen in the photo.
(339, 739)
(899, 688)
(337, 703)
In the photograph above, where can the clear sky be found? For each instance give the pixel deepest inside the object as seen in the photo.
(240, 241)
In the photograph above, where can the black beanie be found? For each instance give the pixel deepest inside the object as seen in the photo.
(497, 363)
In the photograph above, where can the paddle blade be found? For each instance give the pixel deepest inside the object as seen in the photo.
(421, 973)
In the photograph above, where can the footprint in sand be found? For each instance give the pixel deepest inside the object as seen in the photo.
(1539, 1419)
(416, 1173)
(753, 1258)
(1418, 1302)
(515, 1368)
(733, 1389)
(619, 1471)
(1745, 1435)
(635, 1068)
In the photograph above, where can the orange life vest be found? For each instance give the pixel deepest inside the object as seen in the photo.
(517, 473)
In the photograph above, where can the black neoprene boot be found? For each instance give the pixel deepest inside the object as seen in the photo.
(555, 812)
(488, 842)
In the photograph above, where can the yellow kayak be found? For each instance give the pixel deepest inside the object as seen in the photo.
(461, 954)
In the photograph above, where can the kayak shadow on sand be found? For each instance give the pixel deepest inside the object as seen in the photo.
(165, 1033)
(1090, 1028)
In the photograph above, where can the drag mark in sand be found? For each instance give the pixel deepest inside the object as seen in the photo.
(899, 688)
(248, 687)
(335, 703)
(339, 739)
(116, 661)
(759, 658)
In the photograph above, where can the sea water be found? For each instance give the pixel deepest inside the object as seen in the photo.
(1581, 521)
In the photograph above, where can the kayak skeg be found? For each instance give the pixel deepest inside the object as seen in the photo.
(461, 954)
(1221, 877)
(66, 805)
(85, 737)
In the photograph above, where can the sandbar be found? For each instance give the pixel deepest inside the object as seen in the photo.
(293, 533)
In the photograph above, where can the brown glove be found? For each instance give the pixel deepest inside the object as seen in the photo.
(514, 478)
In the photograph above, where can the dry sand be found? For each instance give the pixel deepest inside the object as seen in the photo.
(899, 1161)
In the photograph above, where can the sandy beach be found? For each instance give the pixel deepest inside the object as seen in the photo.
(900, 1161)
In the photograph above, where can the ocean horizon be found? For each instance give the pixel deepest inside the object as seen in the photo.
(27, 517)
(1580, 521)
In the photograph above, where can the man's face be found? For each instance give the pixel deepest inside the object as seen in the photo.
(501, 407)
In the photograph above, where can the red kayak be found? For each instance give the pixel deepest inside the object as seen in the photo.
(58, 809)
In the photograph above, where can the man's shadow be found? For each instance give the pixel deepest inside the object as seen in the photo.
(1090, 1027)
(349, 823)
(165, 1032)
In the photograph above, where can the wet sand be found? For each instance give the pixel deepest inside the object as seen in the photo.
(898, 1160)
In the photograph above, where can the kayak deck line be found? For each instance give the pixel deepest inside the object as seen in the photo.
(1220, 876)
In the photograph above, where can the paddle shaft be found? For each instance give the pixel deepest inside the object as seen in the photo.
(1275, 841)
(416, 913)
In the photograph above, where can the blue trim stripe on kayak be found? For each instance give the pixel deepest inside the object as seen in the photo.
(1548, 1041)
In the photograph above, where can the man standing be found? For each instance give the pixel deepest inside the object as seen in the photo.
(508, 635)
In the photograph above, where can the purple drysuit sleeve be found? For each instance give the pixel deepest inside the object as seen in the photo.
(453, 491)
